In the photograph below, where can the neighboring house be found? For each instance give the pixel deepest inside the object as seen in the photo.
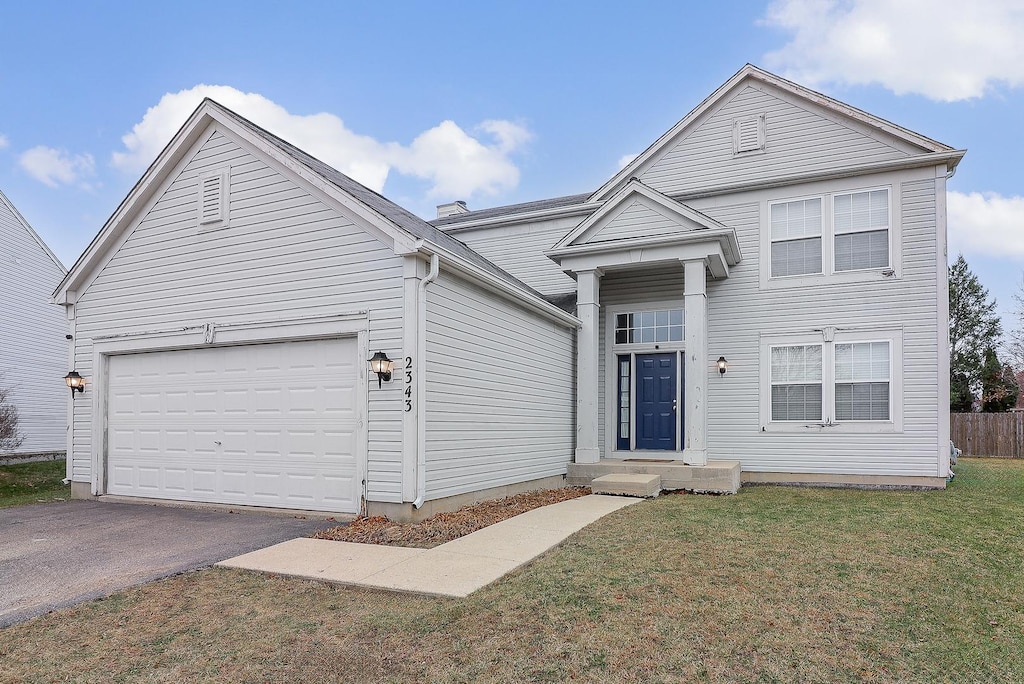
(224, 316)
(33, 348)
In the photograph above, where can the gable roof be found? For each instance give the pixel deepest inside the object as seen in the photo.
(4, 202)
(543, 205)
(408, 230)
(633, 190)
(752, 73)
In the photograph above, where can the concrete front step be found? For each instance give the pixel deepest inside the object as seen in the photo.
(717, 477)
(627, 484)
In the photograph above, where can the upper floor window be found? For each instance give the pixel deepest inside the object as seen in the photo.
(830, 234)
(796, 237)
(861, 227)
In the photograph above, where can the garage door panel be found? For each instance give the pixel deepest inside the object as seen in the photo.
(269, 424)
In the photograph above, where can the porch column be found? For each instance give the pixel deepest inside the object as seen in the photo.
(588, 285)
(696, 364)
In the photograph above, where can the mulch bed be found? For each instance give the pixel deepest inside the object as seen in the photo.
(445, 527)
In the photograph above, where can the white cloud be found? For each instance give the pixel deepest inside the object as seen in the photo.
(985, 224)
(3, 141)
(626, 159)
(58, 167)
(943, 49)
(456, 163)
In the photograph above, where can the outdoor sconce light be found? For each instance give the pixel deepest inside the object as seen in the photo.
(75, 382)
(723, 365)
(382, 366)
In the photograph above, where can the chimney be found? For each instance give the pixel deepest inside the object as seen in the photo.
(452, 209)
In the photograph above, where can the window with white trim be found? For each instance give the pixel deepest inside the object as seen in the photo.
(862, 377)
(843, 380)
(664, 325)
(861, 225)
(796, 237)
(796, 380)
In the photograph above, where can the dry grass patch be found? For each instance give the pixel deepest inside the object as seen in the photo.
(771, 585)
(444, 527)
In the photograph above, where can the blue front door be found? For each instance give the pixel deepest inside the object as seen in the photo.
(656, 389)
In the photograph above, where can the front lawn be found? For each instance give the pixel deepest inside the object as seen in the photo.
(29, 483)
(771, 585)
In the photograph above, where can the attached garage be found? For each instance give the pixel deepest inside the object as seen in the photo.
(256, 424)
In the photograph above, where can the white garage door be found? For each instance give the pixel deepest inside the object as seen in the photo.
(260, 425)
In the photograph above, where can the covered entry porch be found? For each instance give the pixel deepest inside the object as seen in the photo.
(643, 363)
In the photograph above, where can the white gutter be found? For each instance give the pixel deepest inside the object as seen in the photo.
(421, 354)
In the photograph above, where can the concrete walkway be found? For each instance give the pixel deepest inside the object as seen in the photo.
(455, 569)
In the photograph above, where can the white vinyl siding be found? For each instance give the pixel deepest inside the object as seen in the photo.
(33, 348)
(286, 255)
(801, 140)
(741, 311)
(499, 403)
(861, 226)
(796, 383)
(637, 219)
(862, 372)
(796, 237)
(519, 249)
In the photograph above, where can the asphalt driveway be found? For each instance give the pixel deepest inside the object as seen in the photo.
(56, 555)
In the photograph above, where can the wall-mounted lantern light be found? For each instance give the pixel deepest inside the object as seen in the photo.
(723, 365)
(75, 382)
(382, 366)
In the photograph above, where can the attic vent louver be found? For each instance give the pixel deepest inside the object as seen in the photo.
(748, 135)
(213, 191)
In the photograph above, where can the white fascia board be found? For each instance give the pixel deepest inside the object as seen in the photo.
(949, 159)
(724, 240)
(491, 282)
(623, 257)
(528, 216)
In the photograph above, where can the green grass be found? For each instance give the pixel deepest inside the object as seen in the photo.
(29, 483)
(771, 585)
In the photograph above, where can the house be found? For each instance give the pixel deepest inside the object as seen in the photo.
(33, 351)
(757, 297)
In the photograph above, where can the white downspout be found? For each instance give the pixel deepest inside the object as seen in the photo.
(420, 389)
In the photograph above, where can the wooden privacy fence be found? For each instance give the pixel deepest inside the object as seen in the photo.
(988, 434)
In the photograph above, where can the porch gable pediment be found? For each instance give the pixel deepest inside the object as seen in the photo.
(639, 224)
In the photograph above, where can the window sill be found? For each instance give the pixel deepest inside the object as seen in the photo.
(845, 428)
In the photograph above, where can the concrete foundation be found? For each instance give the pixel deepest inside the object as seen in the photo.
(31, 457)
(81, 490)
(405, 512)
(845, 480)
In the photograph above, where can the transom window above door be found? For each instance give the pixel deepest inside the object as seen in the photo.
(640, 327)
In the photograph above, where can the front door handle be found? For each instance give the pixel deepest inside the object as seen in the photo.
(673, 406)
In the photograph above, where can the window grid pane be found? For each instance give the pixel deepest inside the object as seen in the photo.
(856, 251)
(797, 257)
(796, 374)
(862, 362)
(861, 211)
(862, 401)
(663, 325)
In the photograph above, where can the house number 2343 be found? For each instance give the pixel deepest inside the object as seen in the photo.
(408, 384)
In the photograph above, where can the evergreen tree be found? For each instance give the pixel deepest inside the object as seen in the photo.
(973, 328)
(961, 400)
(998, 385)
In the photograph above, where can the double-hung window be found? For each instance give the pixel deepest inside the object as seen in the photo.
(842, 380)
(861, 226)
(830, 235)
(862, 376)
(796, 237)
(796, 380)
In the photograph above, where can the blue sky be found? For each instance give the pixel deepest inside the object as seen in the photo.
(493, 103)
